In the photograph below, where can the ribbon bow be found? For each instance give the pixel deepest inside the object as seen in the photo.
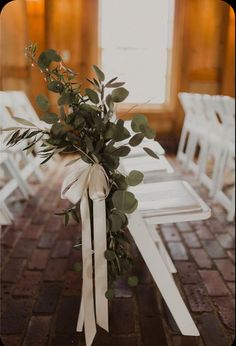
(91, 179)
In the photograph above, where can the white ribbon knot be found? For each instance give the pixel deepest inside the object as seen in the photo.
(92, 179)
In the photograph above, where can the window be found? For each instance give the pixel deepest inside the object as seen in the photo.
(135, 44)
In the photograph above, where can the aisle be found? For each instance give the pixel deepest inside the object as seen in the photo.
(41, 291)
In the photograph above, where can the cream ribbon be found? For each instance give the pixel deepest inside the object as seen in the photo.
(91, 179)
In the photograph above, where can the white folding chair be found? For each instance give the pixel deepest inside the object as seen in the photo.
(22, 107)
(6, 120)
(193, 129)
(14, 180)
(147, 164)
(159, 203)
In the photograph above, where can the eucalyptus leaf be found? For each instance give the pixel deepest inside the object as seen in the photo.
(42, 102)
(122, 151)
(47, 57)
(134, 178)
(100, 75)
(124, 200)
(65, 99)
(110, 294)
(148, 132)
(119, 94)
(78, 266)
(109, 255)
(150, 152)
(136, 139)
(92, 95)
(133, 281)
(115, 85)
(116, 222)
(50, 118)
(138, 121)
(55, 86)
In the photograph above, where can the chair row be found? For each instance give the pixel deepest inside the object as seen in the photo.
(207, 144)
(16, 165)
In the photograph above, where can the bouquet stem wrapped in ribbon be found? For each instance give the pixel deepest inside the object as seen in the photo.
(82, 125)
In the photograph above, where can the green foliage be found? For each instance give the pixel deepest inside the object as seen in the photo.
(124, 201)
(42, 102)
(134, 178)
(150, 152)
(119, 94)
(50, 117)
(133, 281)
(83, 127)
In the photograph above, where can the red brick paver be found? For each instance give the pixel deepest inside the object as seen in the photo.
(40, 291)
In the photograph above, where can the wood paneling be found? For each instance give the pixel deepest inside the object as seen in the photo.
(36, 33)
(203, 46)
(13, 38)
(228, 71)
(202, 57)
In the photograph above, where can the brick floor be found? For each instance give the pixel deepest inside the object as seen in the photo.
(40, 291)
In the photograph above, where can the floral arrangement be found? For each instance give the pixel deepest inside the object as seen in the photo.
(84, 126)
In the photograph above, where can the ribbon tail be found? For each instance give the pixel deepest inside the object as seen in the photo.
(100, 246)
(80, 323)
(87, 290)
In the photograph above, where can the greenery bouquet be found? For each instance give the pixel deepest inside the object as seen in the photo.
(84, 125)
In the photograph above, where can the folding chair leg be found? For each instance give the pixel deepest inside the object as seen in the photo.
(180, 153)
(6, 216)
(161, 247)
(23, 186)
(161, 275)
(231, 211)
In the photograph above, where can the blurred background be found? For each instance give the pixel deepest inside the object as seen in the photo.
(158, 47)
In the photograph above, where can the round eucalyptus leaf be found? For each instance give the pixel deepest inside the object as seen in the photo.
(110, 294)
(65, 99)
(116, 222)
(124, 201)
(138, 121)
(100, 75)
(42, 102)
(92, 95)
(148, 132)
(50, 118)
(55, 86)
(134, 178)
(119, 94)
(109, 255)
(133, 208)
(78, 266)
(133, 281)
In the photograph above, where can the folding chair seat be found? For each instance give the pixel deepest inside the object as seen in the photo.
(146, 164)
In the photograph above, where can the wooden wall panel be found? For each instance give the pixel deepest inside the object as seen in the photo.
(37, 34)
(204, 43)
(203, 53)
(228, 70)
(13, 38)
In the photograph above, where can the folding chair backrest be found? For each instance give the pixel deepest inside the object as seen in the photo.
(21, 106)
